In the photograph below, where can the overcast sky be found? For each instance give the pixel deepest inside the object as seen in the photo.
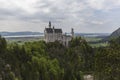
(89, 16)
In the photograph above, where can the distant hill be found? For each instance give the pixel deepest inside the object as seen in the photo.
(19, 33)
(115, 34)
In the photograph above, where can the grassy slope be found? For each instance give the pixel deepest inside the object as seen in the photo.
(97, 41)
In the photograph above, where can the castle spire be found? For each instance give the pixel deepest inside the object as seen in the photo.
(49, 24)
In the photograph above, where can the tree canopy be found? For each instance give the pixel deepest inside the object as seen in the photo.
(53, 61)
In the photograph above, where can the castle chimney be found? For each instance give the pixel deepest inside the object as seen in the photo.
(72, 32)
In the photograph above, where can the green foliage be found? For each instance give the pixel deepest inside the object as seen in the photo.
(81, 47)
(28, 62)
(3, 45)
(107, 62)
(53, 61)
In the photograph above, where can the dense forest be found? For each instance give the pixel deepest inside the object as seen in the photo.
(53, 61)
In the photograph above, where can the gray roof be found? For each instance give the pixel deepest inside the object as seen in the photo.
(58, 30)
(50, 30)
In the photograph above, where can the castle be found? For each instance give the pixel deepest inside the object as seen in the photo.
(53, 34)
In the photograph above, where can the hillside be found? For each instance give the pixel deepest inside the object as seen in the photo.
(115, 34)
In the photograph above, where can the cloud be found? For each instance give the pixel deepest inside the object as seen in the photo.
(97, 22)
(83, 15)
(103, 4)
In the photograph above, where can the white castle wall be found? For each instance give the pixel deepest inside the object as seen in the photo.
(51, 37)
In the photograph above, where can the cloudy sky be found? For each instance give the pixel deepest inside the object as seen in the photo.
(89, 16)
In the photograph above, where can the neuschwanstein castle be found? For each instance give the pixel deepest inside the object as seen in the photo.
(53, 34)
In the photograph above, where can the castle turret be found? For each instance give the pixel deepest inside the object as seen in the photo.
(53, 27)
(72, 32)
(49, 24)
(53, 30)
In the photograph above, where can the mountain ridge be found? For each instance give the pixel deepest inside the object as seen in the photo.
(19, 33)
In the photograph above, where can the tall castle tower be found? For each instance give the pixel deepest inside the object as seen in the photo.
(72, 32)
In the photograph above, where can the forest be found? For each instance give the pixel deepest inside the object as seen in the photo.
(53, 61)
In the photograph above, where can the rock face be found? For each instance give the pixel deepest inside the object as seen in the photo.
(88, 77)
(115, 34)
